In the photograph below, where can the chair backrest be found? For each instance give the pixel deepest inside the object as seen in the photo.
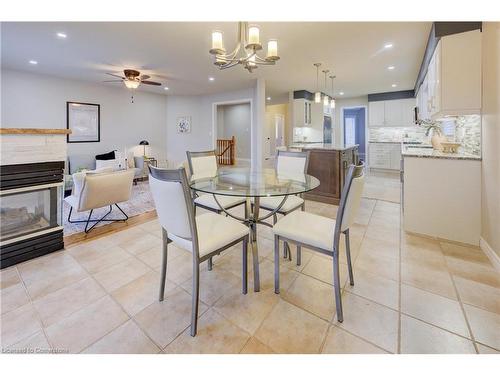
(351, 198)
(291, 162)
(104, 189)
(202, 164)
(174, 207)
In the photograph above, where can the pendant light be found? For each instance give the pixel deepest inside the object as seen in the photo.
(317, 95)
(325, 97)
(332, 102)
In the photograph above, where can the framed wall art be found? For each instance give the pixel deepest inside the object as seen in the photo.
(184, 124)
(84, 121)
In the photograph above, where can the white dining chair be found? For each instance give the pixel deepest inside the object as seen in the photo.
(203, 164)
(322, 234)
(204, 235)
(294, 165)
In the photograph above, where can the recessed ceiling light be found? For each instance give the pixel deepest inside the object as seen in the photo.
(33, 62)
(211, 78)
(388, 45)
(268, 98)
(391, 67)
(165, 88)
(341, 93)
(61, 35)
(393, 85)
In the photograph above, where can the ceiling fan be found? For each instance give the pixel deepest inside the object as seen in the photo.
(133, 79)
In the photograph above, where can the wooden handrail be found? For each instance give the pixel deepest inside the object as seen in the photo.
(226, 151)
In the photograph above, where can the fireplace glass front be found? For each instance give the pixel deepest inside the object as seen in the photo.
(27, 211)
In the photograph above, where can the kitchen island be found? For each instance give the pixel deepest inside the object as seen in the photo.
(328, 163)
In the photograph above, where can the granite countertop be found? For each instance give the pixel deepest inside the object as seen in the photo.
(383, 142)
(321, 146)
(421, 152)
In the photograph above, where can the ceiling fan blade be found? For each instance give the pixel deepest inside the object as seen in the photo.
(115, 75)
(145, 77)
(114, 80)
(151, 83)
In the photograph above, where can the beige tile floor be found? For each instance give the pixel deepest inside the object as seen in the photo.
(411, 295)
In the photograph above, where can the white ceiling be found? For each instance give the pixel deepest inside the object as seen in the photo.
(176, 54)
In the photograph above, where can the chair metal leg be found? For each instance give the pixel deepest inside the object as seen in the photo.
(163, 264)
(287, 252)
(195, 298)
(96, 221)
(348, 256)
(336, 285)
(299, 255)
(244, 271)
(210, 264)
(276, 265)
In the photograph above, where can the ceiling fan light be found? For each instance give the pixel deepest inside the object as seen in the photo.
(131, 84)
(317, 97)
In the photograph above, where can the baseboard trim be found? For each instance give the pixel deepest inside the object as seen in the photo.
(490, 253)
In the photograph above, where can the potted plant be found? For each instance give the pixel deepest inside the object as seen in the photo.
(437, 133)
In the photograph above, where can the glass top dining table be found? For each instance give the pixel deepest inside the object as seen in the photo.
(254, 186)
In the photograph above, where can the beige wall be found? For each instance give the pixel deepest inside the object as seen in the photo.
(283, 110)
(491, 136)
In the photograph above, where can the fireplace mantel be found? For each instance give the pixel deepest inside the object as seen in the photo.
(34, 131)
(25, 145)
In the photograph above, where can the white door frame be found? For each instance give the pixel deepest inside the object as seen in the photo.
(366, 126)
(214, 120)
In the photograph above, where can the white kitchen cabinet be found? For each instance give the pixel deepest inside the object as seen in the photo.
(391, 113)
(384, 155)
(439, 202)
(317, 116)
(376, 113)
(452, 84)
(301, 112)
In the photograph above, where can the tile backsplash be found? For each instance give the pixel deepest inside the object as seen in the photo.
(393, 134)
(462, 129)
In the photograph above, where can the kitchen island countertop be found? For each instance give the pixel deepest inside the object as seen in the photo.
(322, 146)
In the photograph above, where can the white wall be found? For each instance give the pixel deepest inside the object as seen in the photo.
(201, 110)
(39, 101)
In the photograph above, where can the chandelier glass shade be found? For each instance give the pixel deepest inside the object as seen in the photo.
(245, 52)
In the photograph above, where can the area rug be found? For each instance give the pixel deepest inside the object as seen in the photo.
(140, 202)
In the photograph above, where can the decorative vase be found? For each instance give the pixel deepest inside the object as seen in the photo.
(436, 141)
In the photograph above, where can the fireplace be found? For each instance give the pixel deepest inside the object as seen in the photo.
(30, 211)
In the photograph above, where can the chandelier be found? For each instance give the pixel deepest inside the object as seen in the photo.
(245, 52)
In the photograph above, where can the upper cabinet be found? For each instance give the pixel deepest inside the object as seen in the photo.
(302, 112)
(452, 85)
(395, 113)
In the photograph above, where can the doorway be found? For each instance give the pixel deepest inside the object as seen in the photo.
(235, 120)
(354, 120)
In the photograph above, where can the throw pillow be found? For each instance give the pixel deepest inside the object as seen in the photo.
(114, 164)
(106, 156)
